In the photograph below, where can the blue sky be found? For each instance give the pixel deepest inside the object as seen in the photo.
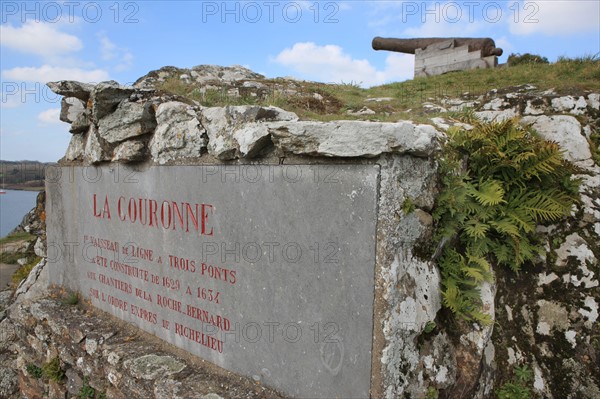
(328, 41)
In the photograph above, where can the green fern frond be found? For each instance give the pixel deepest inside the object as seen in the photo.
(475, 273)
(481, 262)
(476, 229)
(547, 206)
(488, 193)
(548, 158)
(506, 226)
(522, 219)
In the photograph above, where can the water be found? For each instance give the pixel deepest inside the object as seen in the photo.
(13, 206)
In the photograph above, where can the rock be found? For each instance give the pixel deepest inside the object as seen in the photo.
(378, 99)
(28, 288)
(74, 382)
(105, 98)
(459, 104)
(551, 315)
(593, 101)
(70, 109)
(532, 109)
(178, 133)
(82, 123)
(362, 111)
(200, 74)
(76, 148)
(496, 116)
(226, 74)
(570, 104)
(431, 108)
(71, 88)
(130, 151)
(150, 367)
(129, 120)
(40, 248)
(252, 138)
(566, 131)
(589, 311)
(574, 246)
(497, 104)
(445, 124)
(94, 151)
(222, 122)
(8, 382)
(355, 138)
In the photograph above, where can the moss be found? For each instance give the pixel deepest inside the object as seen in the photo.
(408, 206)
(34, 371)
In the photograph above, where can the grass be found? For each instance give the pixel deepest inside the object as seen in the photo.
(567, 75)
(72, 298)
(53, 371)
(11, 258)
(86, 391)
(16, 237)
(22, 272)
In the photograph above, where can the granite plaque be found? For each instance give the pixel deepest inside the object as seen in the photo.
(264, 270)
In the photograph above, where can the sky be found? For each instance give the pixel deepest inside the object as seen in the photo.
(325, 41)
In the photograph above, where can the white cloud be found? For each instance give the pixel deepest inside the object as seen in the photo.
(330, 64)
(107, 48)
(443, 28)
(110, 51)
(555, 17)
(49, 116)
(48, 73)
(42, 39)
(11, 100)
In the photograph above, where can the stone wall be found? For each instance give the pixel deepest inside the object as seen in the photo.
(546, 318)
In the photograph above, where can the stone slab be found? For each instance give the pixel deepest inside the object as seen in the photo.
(267, 271)
(444, 57)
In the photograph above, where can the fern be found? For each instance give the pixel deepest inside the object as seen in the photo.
(488, 192)
(499, 180)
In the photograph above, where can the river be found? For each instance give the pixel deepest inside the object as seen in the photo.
(14, 204)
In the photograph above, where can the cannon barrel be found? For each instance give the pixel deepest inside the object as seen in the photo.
(408, 46)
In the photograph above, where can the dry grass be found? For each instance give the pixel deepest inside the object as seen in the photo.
(317, 101)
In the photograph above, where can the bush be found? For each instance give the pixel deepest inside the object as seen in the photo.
(519, 59)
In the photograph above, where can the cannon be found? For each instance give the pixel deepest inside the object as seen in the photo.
(438, 55)
(408, 46)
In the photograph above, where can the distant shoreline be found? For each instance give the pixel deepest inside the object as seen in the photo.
(21, 188)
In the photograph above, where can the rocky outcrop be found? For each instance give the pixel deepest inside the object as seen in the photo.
(201, 74)
(176, 130)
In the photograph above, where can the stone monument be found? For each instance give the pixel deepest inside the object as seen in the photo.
(272, 247)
